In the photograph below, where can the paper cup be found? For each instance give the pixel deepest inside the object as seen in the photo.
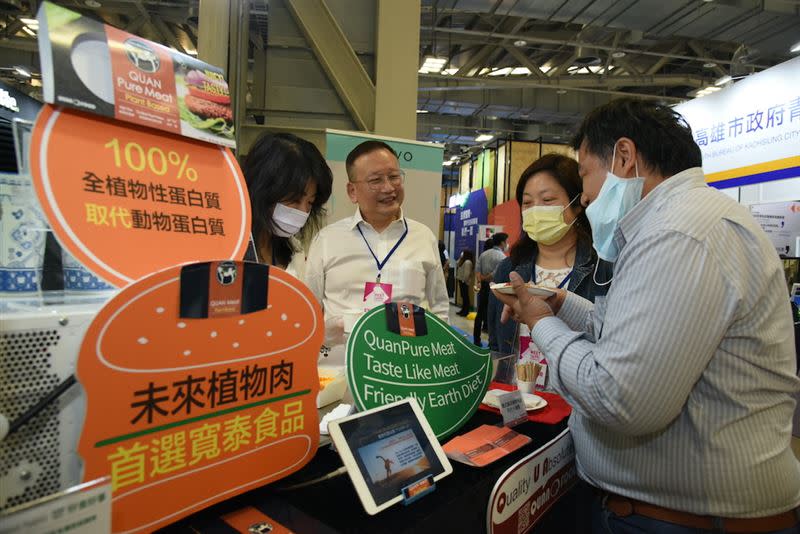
(78, 279)
(526, 387)
(350, 319)
(24, 231)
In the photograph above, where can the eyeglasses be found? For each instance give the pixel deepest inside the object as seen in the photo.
(395, 179)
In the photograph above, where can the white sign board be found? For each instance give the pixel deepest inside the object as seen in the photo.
(530, 487)
(749, 132)
(781, 222)
(85, 508)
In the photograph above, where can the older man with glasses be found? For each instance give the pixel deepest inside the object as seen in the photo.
(377, 255)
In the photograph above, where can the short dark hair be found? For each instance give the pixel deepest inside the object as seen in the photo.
(488, 244)
(499, 237)
(564, 170)
(277, 169)
(364, 148)
(661, 134)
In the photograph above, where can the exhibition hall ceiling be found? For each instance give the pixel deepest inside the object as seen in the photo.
(525, 69)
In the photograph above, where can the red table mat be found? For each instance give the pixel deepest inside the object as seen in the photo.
(556, 410)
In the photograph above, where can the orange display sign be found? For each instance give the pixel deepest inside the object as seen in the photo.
(127, 201)
(185, 409)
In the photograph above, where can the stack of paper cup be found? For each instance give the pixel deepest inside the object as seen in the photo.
(78, 279)
(22, 242)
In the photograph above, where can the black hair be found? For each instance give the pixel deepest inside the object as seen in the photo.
(498, 238)
(364, 148)
(488, 244)
(563, 170)
(466, 254)
(661, 135)
(277, 169)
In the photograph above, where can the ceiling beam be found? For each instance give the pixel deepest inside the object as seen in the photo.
(524, 60)
(700, 51)
(577, 43)
(658, 65)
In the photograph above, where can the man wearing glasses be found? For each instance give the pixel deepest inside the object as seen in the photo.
(377, 255)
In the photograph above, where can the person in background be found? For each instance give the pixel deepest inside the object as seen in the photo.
(682, 380)
(555, 249)
(289, 182)
(377, 251)
(464, 271)
(493, 254)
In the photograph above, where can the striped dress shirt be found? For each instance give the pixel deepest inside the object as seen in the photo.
(682, 378)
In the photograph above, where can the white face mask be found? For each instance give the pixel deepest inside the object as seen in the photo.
(288, 221)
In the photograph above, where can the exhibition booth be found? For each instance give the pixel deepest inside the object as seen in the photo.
(153, 379)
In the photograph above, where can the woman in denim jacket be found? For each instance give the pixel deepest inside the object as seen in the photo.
(556, 242)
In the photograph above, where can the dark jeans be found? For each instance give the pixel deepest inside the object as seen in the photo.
(606, 522)
(482, 315)
(464, 288)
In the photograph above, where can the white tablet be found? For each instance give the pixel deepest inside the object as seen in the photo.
(386, 449)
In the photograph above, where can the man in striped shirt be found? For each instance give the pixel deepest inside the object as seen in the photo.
(682, 378)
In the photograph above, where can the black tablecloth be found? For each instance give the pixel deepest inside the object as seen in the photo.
(457, 505)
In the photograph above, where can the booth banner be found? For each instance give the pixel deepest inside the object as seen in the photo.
(201, 384)
(530, 487)
(127, 201)
(422, 163)
(468, 218)
(100, 69)
(446, 374)
(781, 222)
(508, 216)
(749, 133)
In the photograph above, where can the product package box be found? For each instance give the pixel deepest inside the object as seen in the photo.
(100, 69)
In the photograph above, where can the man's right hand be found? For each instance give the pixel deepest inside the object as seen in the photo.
(556, 301)
(334, 331)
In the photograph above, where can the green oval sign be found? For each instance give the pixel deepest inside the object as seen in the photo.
(445, 373)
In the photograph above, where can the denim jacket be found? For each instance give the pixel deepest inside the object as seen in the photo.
(581, 282)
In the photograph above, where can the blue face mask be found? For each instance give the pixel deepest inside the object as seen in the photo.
(617, 197)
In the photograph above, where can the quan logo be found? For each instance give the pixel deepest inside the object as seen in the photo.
(141, 55)
(226, 273)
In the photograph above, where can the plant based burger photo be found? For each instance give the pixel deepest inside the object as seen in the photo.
(207, 104)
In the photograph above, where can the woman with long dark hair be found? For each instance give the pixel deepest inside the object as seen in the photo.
(464, 271)
(555, 249)
(289, 183)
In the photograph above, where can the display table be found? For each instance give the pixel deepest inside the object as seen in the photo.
(458, 505)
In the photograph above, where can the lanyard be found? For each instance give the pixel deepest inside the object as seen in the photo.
(379, 263)
(566, 279)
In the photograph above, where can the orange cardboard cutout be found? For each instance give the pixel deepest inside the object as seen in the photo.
(127, 201)
(184, 413)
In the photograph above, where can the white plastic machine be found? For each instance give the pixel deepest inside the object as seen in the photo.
(39, 343)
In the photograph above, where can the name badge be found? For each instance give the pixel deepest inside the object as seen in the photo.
(376, 294)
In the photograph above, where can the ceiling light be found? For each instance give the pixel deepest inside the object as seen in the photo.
(520, 71)
(93, 3)
(561, 91)
(191, 52)
(29, 22)
(482, 138)
(22, 71)
(544, 68)
(453, 158)
(618, 54)
(723, 80)
(28, 31)
(520, 43)
(447, 163)
(709, 65)
(795, 48)
(422, 111)
(433, 64)
(501, 72)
